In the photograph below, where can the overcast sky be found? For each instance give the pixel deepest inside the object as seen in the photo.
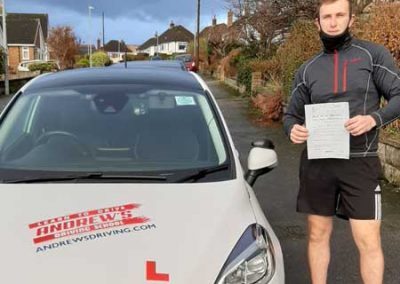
(133, 21)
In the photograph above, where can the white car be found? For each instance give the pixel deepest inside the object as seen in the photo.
(129, 176)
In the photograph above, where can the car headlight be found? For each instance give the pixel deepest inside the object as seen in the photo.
(252, 259)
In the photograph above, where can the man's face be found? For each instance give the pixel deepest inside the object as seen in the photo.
(334, 17)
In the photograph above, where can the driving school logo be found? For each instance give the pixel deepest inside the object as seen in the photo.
(86, 222)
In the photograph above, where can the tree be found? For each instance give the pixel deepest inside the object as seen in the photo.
(265, 22)
(63, 45)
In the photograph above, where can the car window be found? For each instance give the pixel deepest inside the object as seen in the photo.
(111, 128)
(184, 58)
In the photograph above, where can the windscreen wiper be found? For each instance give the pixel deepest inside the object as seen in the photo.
(202, 173)
(88, 176)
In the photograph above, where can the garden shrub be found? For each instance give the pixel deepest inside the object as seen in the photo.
(100, 59)
(43, 67)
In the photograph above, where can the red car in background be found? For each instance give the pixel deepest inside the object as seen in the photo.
(188, 60)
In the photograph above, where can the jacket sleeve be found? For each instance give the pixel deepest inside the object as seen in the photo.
(300, 96)
(387, 80)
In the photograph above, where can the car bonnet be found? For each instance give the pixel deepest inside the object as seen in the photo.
(120, 233)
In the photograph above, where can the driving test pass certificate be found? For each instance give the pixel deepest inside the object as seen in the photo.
(328, 137)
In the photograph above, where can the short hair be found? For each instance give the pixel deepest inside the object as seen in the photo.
(322, 2)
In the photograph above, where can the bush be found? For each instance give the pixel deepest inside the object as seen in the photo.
(100, 59)
(269, 100)
(82, 63)
(43, 67)
(140, 56)
(244, 75)
(382, 27)
(302, 44)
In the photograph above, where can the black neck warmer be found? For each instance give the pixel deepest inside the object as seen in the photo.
(332, 43)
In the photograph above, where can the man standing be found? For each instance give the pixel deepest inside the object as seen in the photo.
(360, 73)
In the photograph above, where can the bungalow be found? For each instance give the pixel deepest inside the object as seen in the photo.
(115, 50)
(174, 40)
(26, 38)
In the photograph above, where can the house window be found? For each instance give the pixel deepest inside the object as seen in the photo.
(182, 46)
(25, 53)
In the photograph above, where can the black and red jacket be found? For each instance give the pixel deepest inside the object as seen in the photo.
(359, 73)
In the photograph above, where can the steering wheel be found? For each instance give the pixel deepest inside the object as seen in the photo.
(83, 148)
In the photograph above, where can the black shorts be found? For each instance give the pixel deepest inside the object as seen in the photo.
(347, 188)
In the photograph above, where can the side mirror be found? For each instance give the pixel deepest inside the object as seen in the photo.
(262, 159)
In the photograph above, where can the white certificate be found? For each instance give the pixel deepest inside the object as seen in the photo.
(328, 138)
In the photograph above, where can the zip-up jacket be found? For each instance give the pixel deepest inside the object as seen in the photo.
(359, 73)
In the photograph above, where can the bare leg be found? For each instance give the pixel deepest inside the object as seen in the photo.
(366, 234)
(319, 233)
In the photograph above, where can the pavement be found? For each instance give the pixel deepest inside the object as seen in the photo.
(277, 192)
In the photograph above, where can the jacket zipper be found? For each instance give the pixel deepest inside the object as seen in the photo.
(346, 62)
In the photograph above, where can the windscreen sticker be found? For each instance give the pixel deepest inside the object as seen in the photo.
(185, 101)
(84, 223)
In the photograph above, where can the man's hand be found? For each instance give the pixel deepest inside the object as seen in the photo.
(298, 134)
(360, 124)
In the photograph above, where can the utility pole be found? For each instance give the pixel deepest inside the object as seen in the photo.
(90, 8)
(197, 35)
(104, 38)
(5, 49)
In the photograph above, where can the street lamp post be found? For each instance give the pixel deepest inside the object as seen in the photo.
(90, 8)
(5, 49)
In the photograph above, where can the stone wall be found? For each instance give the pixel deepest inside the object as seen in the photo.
(389, 153)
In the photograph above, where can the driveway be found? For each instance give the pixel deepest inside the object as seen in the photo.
(277, 192)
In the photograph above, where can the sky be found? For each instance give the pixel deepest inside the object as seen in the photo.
(133, 21)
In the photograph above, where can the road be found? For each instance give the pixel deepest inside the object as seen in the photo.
(277, 193)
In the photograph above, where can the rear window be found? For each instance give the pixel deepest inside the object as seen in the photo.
(184, 58)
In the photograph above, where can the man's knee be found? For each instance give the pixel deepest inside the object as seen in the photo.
(367, 235)
(319, 229)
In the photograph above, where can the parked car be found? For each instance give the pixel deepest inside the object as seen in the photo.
(129, 176)
(160, 64)
(24, 66)
(188, 60)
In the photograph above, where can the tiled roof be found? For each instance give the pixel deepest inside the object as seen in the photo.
(150, 42)
(44, 20)
(115, 46)
(217, 30)
(176, 33)
(21, 31)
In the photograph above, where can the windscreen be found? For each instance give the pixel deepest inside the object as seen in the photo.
(111, 128)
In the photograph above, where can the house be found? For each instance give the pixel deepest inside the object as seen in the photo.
(217, 33)
(115, 50)
(44, 22)
(26, 38)
(174, 40)
(133, 49)
(149, 46)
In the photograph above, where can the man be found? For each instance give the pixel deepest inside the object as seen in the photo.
(357, 72)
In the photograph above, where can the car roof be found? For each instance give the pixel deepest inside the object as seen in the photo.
(164, 78)
(173, 64)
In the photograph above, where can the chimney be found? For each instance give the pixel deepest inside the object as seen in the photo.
(171, 25)
(230, 18)
(214, 21)
(98, 44)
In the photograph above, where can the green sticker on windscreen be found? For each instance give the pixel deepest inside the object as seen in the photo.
(185, 101)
